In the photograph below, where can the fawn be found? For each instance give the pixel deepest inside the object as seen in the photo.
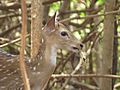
(55, 36)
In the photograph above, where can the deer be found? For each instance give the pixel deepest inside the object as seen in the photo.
(55, 36)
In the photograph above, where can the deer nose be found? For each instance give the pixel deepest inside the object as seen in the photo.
(81, 45)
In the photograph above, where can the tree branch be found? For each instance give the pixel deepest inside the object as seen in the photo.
(91, 16)
(84, 76)
(23, 42)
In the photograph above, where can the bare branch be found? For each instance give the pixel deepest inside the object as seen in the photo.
(91, 16)
(50, 1)
(84, 76)
(23, 42)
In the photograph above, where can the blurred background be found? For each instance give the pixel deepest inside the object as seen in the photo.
(96, 23)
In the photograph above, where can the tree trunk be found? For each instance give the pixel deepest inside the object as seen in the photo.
(108, 40)
(36, 25)
(115, 50)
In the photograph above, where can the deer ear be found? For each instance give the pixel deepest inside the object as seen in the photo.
(50, 26)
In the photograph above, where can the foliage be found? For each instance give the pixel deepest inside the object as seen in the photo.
(88, 30)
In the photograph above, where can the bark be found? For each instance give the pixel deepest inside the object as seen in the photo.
(46, 13)
(108, 40)
(115, 54)
(36, 25)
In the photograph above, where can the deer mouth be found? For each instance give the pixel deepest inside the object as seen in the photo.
(75, 49)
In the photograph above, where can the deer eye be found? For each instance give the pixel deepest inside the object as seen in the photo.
(64, 33)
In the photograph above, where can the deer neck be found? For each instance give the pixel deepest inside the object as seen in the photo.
(50, 54)
(43, 66)
(46, 56)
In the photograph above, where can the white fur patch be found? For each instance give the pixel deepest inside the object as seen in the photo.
(53, 56)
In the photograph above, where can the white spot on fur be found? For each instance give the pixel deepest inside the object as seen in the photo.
(41, 58)
(34, 68)
(42, 40)
(29, 60)
(38, 64)
(4, 78)
(3, 87)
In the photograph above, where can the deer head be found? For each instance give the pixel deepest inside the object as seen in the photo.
(58, 35)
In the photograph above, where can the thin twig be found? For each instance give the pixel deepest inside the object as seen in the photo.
(23, 42)
(85, 76)
(84, 86)
(9, 30)
(9, 15)
(13, 41)
(50, 1)
(12, 5)
(91, 16)
(73, 72)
